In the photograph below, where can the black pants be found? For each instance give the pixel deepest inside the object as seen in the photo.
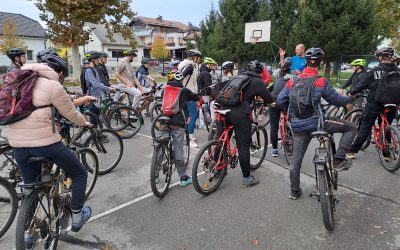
(242, 128)
(274, 117)
(368, 118)
(95, 110)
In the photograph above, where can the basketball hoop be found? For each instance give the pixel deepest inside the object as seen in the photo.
(254, 39)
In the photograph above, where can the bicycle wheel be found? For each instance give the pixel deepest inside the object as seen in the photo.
(155, 127)
(125, 120)
(326, 200)
(390, 155)
(357, 120)
(206, 179)
(108, 146)
(160, 170)
(212, 132)
(89, 160)
(186, 148)
(35, 221)
(350, 116)
(155, 110)
(258, 146)
(288, 145)
(8, 205)
(90, 117)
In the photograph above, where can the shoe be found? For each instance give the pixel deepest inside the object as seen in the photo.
(86, 214)
(193, 144)
(250, 181)
(28, 239)
(294, 195)
(342, 164)
(202, 126)
(186, 182)
(275, 152)
(351, 156)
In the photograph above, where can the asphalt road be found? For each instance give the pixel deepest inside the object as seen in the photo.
(128, 216)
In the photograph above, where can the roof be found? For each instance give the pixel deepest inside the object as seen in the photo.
(160, 22)
(26, 26)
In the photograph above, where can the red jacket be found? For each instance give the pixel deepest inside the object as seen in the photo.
(265, 76)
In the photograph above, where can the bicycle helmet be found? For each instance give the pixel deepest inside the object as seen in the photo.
(55, 62)
(255, 66)
(358, 62)
(42, 53)
(178, 75)
(91, 55)
(145, 60)
(287, 63)
(385, 51)
(194, 52)
(209, 60)
(314, 54)
(129, 52)
(12, 53)
(228, 65)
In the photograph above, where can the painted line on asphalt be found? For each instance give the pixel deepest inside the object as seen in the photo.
(146, 136)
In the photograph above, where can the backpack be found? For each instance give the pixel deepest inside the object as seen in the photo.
(84, 85)
(389, 88)
(170, 104)
(300, 97)
(232, 93)
(16, 96)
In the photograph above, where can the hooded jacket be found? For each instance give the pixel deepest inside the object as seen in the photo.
(204, 80)
(189, 71)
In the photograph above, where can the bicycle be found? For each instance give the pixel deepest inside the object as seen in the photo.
(286, 136)
(214, 158)
(9, 205)
(125, 120)
(355, 116)
(106, 106)
(205, 109)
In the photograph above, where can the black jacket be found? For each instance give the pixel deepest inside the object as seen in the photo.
(185, 96)
(354, 80)
(204, 80)
(371, 80)
(103, 73)
(280, 83)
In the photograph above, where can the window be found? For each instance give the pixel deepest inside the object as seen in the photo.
(117, 53)
(29, 55)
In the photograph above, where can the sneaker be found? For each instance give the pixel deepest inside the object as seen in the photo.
(193, 144)
(351, 156)
(186, 182)
(275, 152)
(28, 239)
(250, 181)
(294, 195)
(86, 214)
(342, 164)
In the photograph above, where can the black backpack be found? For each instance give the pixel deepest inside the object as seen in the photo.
(388, 91)
(232, 93)
(84, 86)
(300, 97)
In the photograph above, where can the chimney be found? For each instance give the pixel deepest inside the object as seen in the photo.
(159, 18)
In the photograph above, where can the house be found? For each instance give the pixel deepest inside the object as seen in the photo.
(175, 34)
(29, 30)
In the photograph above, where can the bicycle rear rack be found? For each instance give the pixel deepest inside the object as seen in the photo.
(321, 156)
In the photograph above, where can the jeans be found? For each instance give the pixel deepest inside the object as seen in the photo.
(193, 116)
(63, 158)
(178, 136)
(274, 117)
(133, 93)
(201, 115)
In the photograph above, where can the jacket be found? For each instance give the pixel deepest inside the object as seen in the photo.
(36, 129)
(266, 77)
(204, 80)
(189, 70)
(94, 85)
(354, 79)
(280, 85)
(103, 74)
(141, 75)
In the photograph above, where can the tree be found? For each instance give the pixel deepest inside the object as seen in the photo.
(158, 49)
(10, 39)
(388, 17)
(189, 45)
(66, 22)
(396, 42)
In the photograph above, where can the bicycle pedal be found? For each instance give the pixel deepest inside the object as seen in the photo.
(312, 195)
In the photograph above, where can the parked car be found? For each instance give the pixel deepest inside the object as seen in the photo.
(167, 67)
(372, 65)
(345, 66)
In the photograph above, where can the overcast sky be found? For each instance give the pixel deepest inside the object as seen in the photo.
(177, 10)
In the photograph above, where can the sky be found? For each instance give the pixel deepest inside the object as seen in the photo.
(176, 10)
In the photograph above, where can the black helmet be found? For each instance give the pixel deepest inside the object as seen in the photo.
(255, 66)
(12, 53)
(176, 62)
(194, 52)
(104, 54)
(91, 55)
(55, 62)
(287, 63)
(129, 52)
(42, 53)
(314, 54)
(145, 60)
(228, 65)
(385, 51)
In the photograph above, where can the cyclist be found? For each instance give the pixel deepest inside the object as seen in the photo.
(302, 127)
(373, 109)
(17, 57)
(275, 112)
(239, 117)
(42, 53)
(175, 64)
(143, 75)
(102, 69)
(359, 72)
(189, 68)
(34, 135)
(203, 82)
(127, 78)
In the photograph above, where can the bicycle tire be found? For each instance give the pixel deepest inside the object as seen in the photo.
(157, 165)
(196, 164)
(288, 145)
(212, 133)
(93, 169)
(8, 197)
(28, 209)
(353, 112)
(186, 148)
(89, 115)
(154, 127)
(155, 110)
(258, 147)
(357, 120)
(125, 120)
(326, 200)
(396, 146)
(107, 161)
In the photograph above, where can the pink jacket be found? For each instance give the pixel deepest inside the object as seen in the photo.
(36, 129)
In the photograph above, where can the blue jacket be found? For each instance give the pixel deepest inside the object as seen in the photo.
(95, 87)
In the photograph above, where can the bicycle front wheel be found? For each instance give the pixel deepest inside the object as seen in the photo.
(288, 145)
(125, 120)
(155, 110)
(326, 200)
(390, 154)
(89, 160)
(160, 170)
(258, 146)
(8, 205)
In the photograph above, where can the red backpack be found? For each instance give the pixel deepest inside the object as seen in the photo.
(16, 96)
(171, 100)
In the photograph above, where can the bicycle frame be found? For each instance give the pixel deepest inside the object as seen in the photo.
(225, 139)
(282, 123)
(380, 130)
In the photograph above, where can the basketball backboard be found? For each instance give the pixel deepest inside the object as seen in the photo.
(257, 32)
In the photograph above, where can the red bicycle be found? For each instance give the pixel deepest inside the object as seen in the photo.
(286, 136)
(214, 158)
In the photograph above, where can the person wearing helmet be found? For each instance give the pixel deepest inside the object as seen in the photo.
(35, 135)
(175, 64)
(275, 112)
(304, 125)
(102, 69)
(142, 74)
(359, 72)
(17, 57)
(179, 122)
(42, 53)
(373, 109)
(189, 70)
(127, 78)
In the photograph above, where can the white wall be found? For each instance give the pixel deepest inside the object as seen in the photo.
(34, 44)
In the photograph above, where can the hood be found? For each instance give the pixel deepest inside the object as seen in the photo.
(388, 66)
(175, 83)
(203, 67)
(252, 74)
(42, 69)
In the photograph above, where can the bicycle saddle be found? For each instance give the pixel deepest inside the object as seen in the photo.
(223, 112)
(319, 133)
(390, 105)
(164, 119)
(41, 160)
